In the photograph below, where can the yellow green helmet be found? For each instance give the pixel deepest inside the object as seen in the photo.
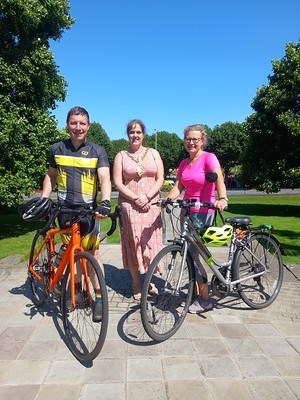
(217, 236)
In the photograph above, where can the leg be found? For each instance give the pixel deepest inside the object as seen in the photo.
(201, 303)
(201, 280)
(96, 254)
(97, 311)
(137, 286)
(90, 228)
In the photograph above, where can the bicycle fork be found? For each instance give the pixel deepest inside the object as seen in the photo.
(171, 268)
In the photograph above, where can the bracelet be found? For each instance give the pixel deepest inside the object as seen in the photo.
(148, 198)
(223, 198)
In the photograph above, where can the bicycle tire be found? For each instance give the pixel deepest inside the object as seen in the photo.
(40, 290)
(259, 292)
(163, 314)
(84, 337)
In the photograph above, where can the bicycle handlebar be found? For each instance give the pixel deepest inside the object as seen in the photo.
(185, 203)
(58, 207)
(113, 216)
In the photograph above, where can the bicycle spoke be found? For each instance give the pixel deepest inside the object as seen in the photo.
(264, 257)
(39, 285)
(163, 314)
(84, 336)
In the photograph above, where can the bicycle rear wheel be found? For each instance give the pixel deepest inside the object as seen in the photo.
(84, 337)
(266, 257)
(163, 314)
(39, 287)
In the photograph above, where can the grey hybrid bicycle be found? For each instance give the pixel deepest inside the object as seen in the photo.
(254, 269)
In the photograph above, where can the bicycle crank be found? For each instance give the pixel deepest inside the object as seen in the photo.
(218, 289)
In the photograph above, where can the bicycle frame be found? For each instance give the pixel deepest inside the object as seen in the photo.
(69, 257)
(191, 236)
(253, 253)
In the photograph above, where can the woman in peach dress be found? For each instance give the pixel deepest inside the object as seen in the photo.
(138, 175)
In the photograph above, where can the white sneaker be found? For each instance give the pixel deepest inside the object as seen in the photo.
(199, 306)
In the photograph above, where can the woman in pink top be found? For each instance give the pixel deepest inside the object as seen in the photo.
(191, 180)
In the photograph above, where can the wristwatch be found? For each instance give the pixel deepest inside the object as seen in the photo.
(223, 198)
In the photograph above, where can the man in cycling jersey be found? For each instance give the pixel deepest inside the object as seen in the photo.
(79, 167)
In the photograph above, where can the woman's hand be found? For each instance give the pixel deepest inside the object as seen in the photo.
(221, 204)
(142, 201)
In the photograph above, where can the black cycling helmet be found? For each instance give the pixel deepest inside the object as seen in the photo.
(35, 209)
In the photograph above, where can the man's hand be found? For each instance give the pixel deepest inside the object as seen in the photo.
(103, 210)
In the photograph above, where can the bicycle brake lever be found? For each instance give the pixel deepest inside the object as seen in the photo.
(168, 210)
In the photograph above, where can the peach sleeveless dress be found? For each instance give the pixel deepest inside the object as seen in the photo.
(141, 232)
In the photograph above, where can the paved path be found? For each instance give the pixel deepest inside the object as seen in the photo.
(231, 352)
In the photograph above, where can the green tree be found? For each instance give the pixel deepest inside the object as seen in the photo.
(98, 135)
(118, 145)
(271, 160)
(169, 146)
(30, 85)
(227, 141)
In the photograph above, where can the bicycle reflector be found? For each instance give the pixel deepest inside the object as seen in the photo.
(217, 236)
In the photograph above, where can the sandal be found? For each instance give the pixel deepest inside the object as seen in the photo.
(153, 291)
(137, 295)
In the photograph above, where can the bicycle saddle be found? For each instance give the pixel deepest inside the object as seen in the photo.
(239, 220)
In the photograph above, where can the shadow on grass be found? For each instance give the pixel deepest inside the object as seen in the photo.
(285, 236)
(267, 210)
(12, 225)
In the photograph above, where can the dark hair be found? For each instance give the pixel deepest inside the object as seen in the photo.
(78, 111)
(133, 122)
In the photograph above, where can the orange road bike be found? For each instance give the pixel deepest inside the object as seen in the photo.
(77, 267)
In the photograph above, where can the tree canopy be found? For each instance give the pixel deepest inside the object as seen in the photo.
(169, 146)
(266, 145)
(271, 160)
(98, 135)
(30, 85)
(227, 141)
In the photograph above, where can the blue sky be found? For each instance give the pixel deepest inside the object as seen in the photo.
(171, 63)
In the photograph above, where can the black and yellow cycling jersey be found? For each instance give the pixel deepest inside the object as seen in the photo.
(77, 180)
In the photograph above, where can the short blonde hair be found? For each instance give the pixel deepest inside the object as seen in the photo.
(199, 128)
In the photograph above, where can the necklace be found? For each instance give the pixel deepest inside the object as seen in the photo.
(139, 160)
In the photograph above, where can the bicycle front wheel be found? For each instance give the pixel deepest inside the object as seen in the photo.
(261, 254)
(85, 337)
(39, 285)
(162, 314)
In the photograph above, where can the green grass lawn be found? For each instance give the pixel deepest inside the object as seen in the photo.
(16, 234)
(283, 212)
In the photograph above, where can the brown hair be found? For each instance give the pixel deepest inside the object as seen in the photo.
(133, 122)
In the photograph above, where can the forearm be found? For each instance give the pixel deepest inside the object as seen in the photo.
(126, 192)
(105, 186)
(174, 193)
(154, 189)
(221, 189)
(47, 186)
